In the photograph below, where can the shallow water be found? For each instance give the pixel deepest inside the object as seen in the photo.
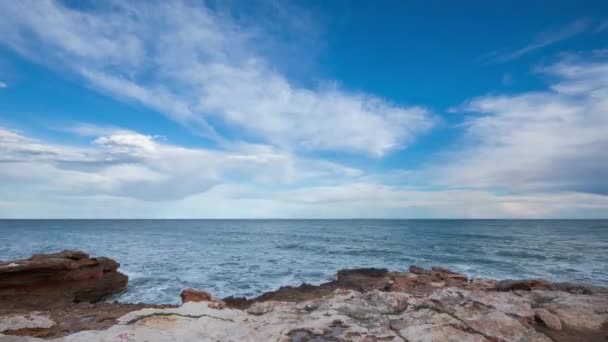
(248, 257)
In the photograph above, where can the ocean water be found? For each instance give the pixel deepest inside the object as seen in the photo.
(248, 257)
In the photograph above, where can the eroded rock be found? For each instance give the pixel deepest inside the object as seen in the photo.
(51, 280)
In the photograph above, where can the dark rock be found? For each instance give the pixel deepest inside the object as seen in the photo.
(362, 279)
(192, 295)
(65, 254)
(365, 272)
(522, 285)
(448, 275)
(417, 270)
(442, 270)
(573, 288)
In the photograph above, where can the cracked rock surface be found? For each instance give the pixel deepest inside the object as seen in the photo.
(375, 306)
(448, 314)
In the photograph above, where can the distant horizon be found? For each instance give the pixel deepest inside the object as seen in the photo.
(303, 109)
(304, 219)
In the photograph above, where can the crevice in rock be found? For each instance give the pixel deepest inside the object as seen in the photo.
(165, 314)
(467, 328)
(395, 330)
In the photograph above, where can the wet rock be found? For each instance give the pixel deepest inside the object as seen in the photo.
(417, 270)
(192, 295)
(548, 319)
(438, 269)
(65, 254)
(50, 280)
(362, 279)
(523, 285)
(362, 272)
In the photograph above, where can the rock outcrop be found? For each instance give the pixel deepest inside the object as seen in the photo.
(369, 305)
(51, 280)
(192, 295)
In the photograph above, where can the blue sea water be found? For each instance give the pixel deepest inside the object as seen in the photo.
(248, 257)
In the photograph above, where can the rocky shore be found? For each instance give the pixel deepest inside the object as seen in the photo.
(59, 297)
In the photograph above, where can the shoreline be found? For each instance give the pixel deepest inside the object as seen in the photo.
(435, 300)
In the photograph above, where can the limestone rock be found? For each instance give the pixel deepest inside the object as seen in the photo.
(548, 319)
(261, 308)
(34, 320)
(576, 311)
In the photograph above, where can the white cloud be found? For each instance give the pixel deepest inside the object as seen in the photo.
(3, 85)
(202, 68)
(546, 141)
(132, 165)
(128, 174)
(357, 199)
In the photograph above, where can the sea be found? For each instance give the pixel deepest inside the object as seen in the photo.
(249, 257)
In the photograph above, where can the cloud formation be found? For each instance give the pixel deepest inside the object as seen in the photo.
(202, 69)
(532, 154)
(132, 165)
(547, 141)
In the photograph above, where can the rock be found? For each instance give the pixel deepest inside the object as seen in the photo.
(548, 319)
(362, 279)
(417, 270)
(107, 264)
(524, 285)
(437, 283)
(261, 308)
(341, 316)
(65, 254)
(575, 311)
(436, 305)
(192, 295)
(362, 272)
(50, 280)
(438, 269)
(33, 320)
(429, 325)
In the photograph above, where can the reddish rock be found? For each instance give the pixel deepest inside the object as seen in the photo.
(46, 280)
(192, 295)
(65, 254)
(448, 275)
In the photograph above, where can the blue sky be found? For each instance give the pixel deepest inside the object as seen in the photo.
(328, 109)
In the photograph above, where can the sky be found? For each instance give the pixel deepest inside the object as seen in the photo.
(303, 109)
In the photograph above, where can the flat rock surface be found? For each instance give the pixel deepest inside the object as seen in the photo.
(33, 320)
